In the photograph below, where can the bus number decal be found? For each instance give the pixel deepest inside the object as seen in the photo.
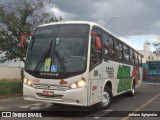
(36, 81)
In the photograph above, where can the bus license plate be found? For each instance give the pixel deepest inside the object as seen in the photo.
(48, 93)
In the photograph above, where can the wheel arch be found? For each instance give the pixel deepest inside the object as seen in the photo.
(133, 82)
(108, 84)
(107, 88)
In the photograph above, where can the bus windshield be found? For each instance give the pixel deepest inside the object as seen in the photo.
(58, 48)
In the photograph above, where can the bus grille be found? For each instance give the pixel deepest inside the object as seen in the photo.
(45, 96)
(50, 87)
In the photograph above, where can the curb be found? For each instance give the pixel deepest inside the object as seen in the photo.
(156, 84)
(10, 96)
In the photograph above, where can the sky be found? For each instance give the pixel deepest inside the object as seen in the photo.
(138, 21)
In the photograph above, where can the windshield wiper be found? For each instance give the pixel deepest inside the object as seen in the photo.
(47, 52)
(42, 59)
(60, 61)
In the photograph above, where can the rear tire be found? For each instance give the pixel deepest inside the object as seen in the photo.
(132, 91)
(106, 99)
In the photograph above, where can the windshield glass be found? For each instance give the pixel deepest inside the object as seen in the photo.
(58, 48)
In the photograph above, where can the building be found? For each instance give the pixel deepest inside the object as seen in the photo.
(148, 55)
(151, 65)
(151, 71)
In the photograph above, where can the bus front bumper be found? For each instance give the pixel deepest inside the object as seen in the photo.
(76, 97)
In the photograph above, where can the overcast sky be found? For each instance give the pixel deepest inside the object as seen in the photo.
(136, 17)
(139, 20)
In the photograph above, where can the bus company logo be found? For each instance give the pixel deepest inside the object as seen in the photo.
(63, 82)
(110, 71)
(49, 86)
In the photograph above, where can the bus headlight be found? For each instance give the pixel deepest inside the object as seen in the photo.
(27, 82)
(78, 84)
(74, 85)
(81, 83)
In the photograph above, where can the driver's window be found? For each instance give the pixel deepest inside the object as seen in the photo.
(96, 53)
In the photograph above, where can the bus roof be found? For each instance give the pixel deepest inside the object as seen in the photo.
(89, 23)
(70, 22)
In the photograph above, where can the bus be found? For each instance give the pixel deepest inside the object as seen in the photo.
(79, 63)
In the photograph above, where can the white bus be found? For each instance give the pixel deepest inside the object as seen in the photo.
(79, 63)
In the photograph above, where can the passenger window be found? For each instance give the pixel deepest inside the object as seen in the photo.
(125, 53)
(136, 58)
(118, 50)
(132, 56)
(108, 49)
(96, 54)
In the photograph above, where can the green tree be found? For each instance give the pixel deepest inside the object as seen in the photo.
(16, 17)
(156, 45)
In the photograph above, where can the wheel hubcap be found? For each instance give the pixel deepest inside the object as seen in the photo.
(105, 99)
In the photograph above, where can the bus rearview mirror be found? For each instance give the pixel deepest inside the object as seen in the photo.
(97, 40)
(23, 40)
(98, 43)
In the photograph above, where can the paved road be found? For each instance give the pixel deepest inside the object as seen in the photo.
(147, 98)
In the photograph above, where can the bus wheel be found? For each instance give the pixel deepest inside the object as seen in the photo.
(132, 91)
(106, 99)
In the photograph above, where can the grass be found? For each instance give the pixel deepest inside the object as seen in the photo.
(11, 87)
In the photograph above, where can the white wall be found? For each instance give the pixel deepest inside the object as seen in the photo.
(10, 72)
(10, 69)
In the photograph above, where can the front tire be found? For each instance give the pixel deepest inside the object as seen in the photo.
(106, 99)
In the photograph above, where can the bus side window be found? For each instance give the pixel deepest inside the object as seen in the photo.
(118, 50)
(132, 56)
(96, 53)
(111, 48)
(125, 53)
(105, 45)
(108, 50)
(136, 58)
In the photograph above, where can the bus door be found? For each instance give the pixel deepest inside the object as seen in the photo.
(95, 67)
